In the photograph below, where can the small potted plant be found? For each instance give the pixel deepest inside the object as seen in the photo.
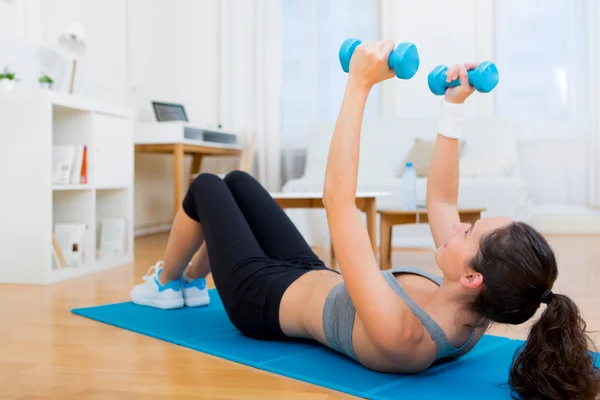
(45, 81)
(7, 79)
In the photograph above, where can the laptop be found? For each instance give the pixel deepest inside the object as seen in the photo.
(169, 112)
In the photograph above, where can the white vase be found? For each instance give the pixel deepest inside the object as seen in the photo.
(46, 85)
(7, 84)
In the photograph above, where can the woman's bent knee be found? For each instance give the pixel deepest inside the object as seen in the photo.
(205, 180)
(204, 183)
(237, 176)
(237, 179)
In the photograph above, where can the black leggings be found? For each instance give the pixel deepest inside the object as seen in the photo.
(255, 251)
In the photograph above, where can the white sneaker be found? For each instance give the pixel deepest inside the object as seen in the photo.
(152, 293)
(195, 292)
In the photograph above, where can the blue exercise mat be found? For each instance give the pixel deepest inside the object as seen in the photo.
(482, 373)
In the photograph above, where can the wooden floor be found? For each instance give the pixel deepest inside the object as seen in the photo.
(48, 353)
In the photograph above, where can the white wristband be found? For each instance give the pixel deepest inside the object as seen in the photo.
(450, 122)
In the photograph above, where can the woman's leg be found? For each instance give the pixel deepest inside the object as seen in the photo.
(249, 283)
(274, 231)
(228, 237)
(199, 266)
(184, 240)
(210, 213)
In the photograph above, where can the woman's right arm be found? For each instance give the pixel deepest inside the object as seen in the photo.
(442, 179)
(442, 189)
(376, 303)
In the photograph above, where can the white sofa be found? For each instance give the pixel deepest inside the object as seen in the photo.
(489, 172)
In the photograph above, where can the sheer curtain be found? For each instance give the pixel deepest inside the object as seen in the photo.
(250, 78)
(593, 24)
(313, 81)
(543, 58)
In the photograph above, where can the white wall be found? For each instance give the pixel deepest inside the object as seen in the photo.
(173, 51)
(173, 55)
(151, 50)
(197, 67)
(8, 17)
(20, 37)
(101, 74)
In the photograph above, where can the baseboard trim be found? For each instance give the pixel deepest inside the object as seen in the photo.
(142, 231)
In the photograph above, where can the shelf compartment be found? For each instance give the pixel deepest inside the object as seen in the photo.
(75, 206)
(112, 204)
(74, 128)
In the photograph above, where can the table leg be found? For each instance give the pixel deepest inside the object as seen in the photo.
(178, 153)
(371, 212)
(385, 247)
(196, 165)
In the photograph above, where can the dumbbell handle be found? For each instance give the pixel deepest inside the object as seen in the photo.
(456, 82)
(393, 59)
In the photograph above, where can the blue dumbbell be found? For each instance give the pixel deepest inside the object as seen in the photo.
(484, 78)
(404, 60)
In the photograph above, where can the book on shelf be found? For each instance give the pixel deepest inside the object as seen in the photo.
(69, 165)
(57, 253)
(71, 242)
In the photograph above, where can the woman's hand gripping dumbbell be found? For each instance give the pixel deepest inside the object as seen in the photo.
(483, 77)
(404, 60)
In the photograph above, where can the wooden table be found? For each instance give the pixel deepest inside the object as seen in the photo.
(365, 201)
(179, 150)
(389, 218)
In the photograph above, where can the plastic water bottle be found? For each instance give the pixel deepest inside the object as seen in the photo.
(409, 188)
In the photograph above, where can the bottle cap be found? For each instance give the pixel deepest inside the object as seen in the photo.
(409, 164)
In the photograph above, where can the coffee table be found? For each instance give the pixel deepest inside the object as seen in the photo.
(365, 201)
(389, 218)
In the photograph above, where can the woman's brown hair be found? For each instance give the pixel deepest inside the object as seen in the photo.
(519, 269)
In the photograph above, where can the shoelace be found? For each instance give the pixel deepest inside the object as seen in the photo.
(152, 270)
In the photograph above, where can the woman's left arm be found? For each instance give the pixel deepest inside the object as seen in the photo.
(376, 303)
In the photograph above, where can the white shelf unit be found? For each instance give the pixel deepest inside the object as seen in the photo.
(31, 122)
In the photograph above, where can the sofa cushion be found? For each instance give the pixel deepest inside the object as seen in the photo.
(384, 145)
(420, 156)
(387, 142)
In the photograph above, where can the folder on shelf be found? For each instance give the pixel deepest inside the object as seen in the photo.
(71, 241)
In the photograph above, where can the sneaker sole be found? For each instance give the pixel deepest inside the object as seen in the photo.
(163, 304)
(197, 302)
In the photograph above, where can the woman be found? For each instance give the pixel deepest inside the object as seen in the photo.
(274, 287)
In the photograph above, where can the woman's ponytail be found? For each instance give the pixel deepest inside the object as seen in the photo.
(556, 362)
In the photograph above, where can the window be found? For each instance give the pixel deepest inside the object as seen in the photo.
(541, 51)
(313, 80)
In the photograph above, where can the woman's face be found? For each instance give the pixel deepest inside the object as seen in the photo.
(453, 256)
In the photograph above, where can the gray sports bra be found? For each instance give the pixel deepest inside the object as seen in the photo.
(339, 313)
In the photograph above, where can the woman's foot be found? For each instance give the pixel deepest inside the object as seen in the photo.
(195, 292)
(154, 294)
